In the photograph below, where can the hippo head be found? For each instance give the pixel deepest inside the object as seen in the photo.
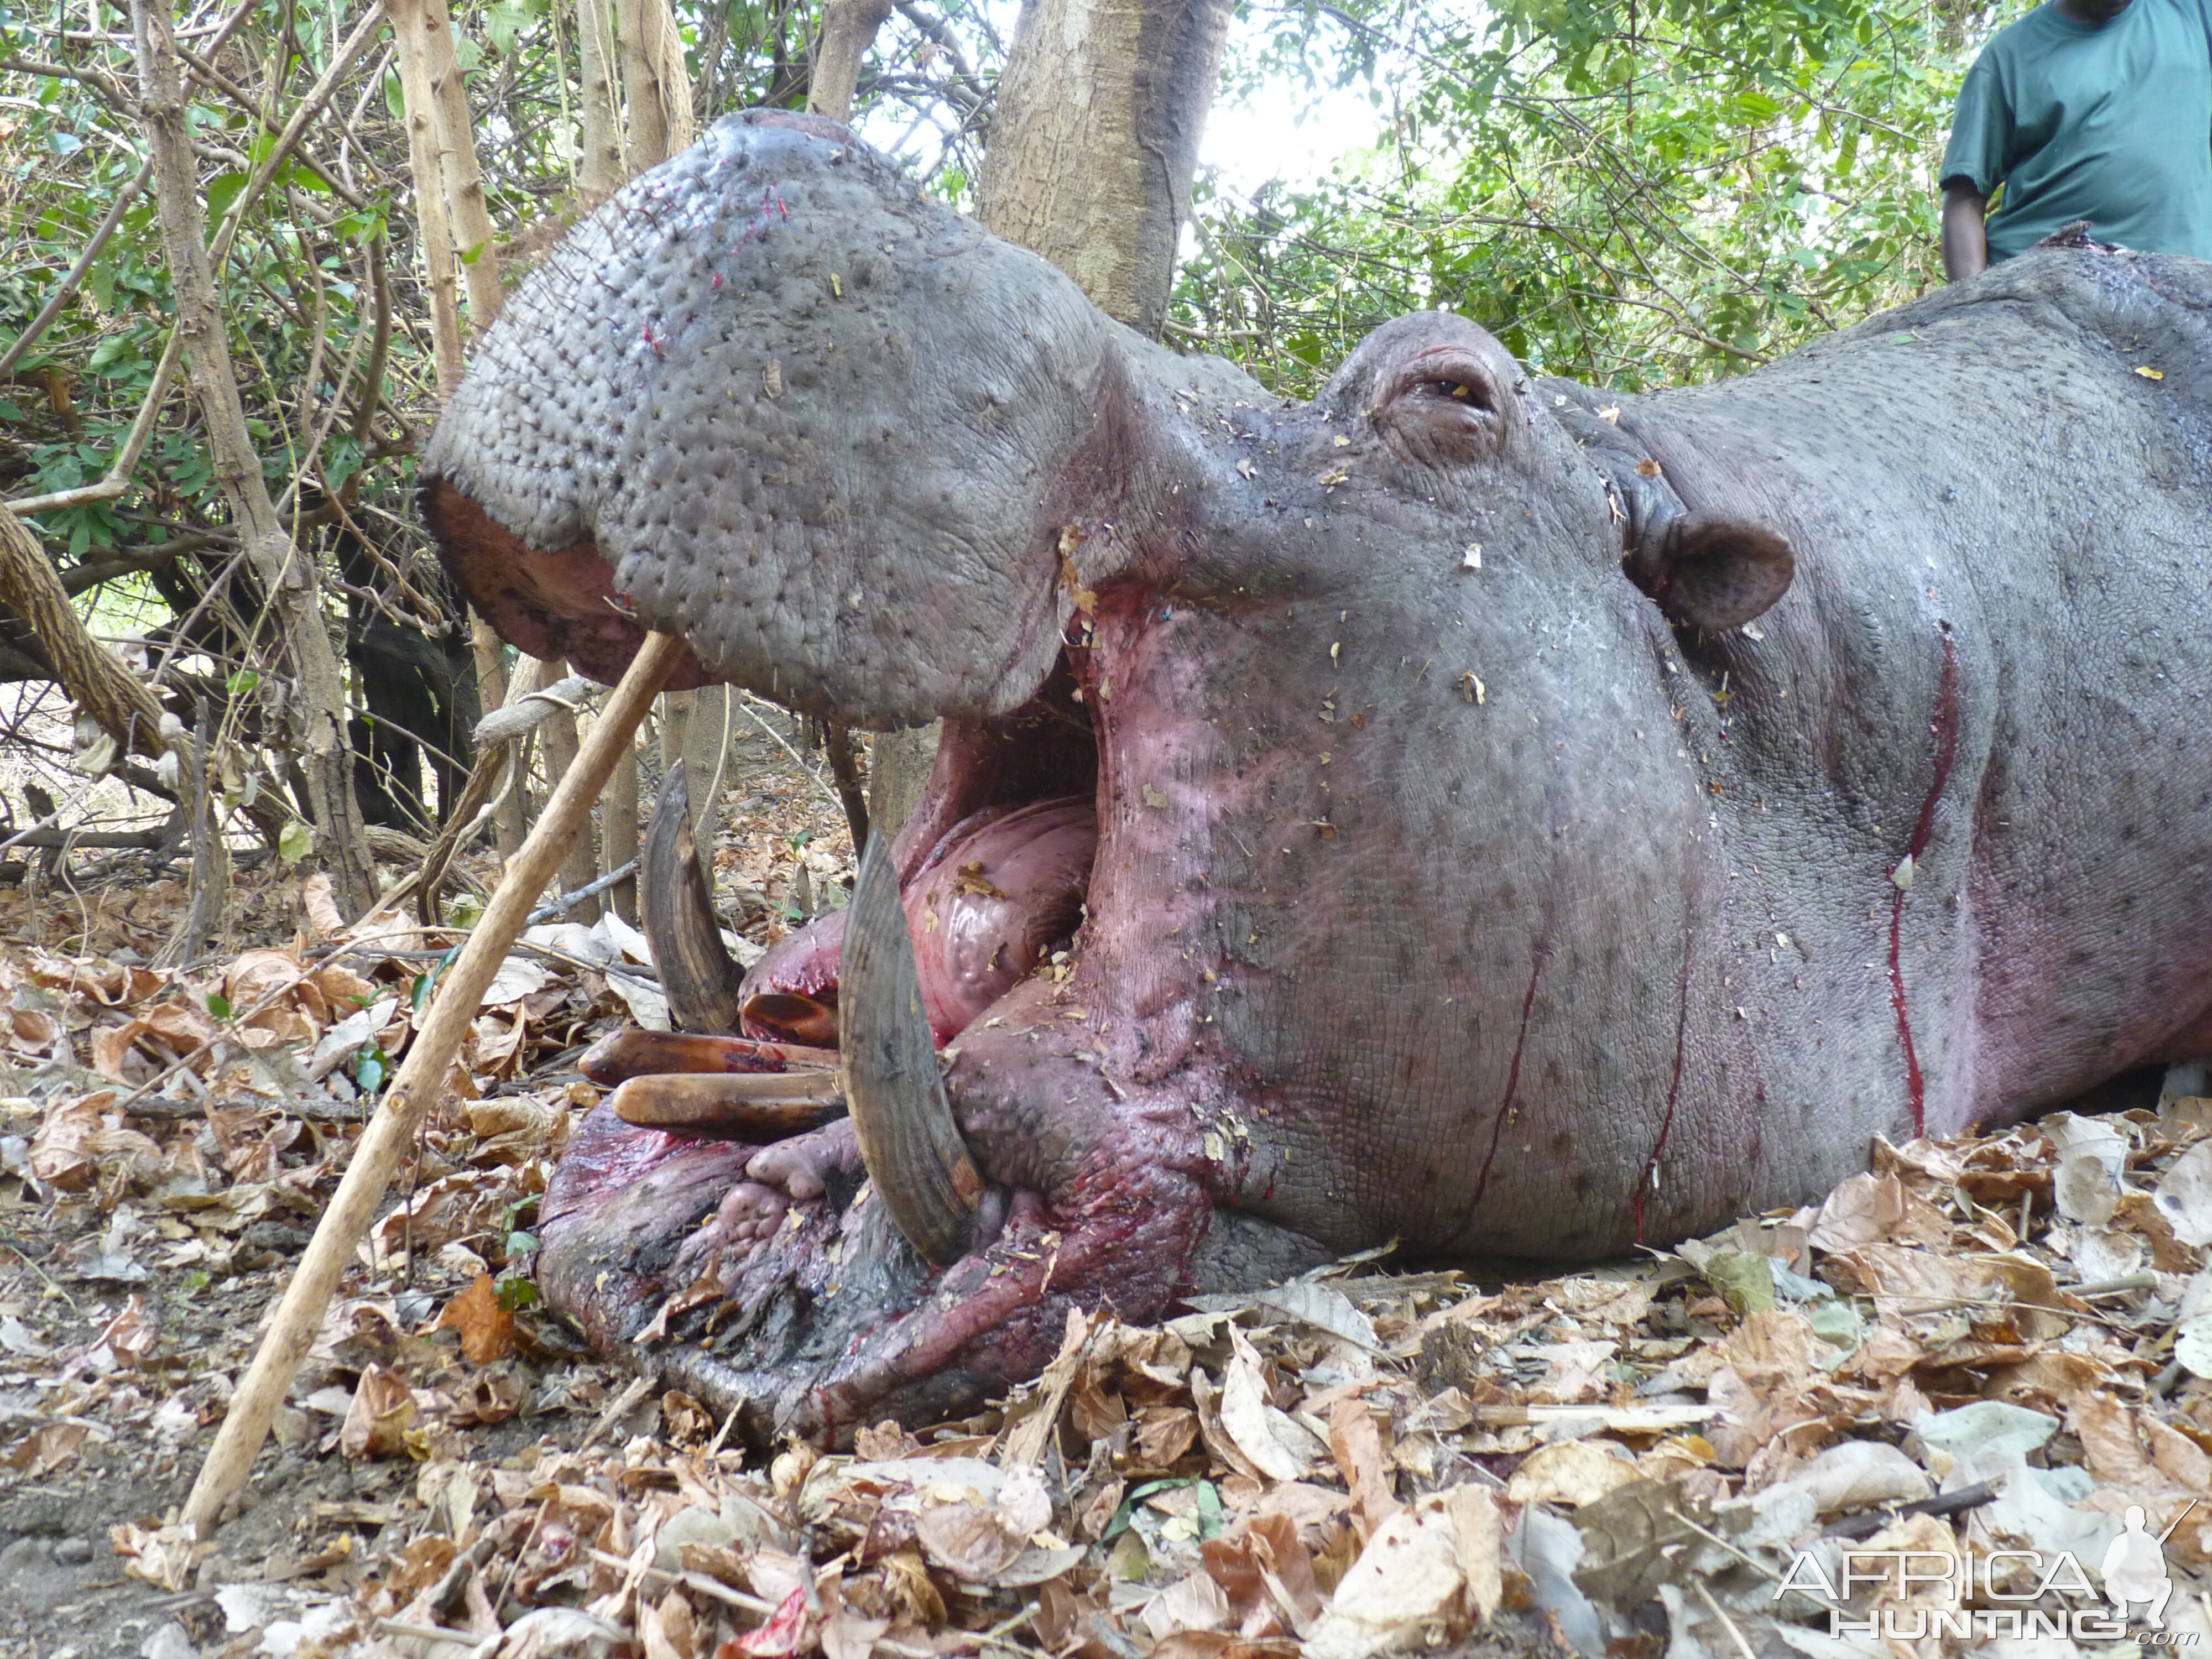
(1283, 743)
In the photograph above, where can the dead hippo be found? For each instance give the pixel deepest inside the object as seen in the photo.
(1527, 820)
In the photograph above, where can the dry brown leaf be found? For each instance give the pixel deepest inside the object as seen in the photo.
(487, 1329)
(1358, 1446)
(971, 1541)
(1193, 1602)
(384, 1420)
(1406, 1578)
(1869, 1209)
(47, 1450)
(167, 1556)
(1268, 1574)
(320, 901)
(1572, 1472)
(1247, 1418)
(36, 1030)
(113, 1045)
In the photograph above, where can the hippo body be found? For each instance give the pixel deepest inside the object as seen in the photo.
(1531, 821)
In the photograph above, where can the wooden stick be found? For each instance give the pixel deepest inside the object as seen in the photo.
(460, 990)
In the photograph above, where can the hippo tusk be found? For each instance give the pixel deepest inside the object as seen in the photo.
(696, 974)
(759, 1107)
(893, 1089)
(623, 1054)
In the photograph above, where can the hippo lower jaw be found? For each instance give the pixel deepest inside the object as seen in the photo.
(778, 1280)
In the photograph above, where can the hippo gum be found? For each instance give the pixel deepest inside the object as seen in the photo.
(1521, 821)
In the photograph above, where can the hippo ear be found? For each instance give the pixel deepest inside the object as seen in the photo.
(1711, 571)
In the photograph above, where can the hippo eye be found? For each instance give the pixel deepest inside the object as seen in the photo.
(1473, 393)
(1444, 410)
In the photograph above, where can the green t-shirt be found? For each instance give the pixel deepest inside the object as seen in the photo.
(2112, 124)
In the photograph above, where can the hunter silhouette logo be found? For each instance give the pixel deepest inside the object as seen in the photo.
(2134, 1567)
(2013, 1590)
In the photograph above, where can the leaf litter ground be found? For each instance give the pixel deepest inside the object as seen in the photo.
(1991, 1345)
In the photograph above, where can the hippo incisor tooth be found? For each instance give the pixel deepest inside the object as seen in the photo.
(893, 1089)
(696, 974)
(749, 1106)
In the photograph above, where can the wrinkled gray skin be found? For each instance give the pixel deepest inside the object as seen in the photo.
(1522, 903)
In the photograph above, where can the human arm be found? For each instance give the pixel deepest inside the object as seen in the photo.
(1975, 162)
(1966, 243)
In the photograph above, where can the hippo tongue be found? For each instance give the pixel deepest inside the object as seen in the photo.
(999, 891)
(1000, 897)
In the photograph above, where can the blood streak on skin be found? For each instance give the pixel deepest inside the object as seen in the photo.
(1649, 1176)
(1945, 730)
(1512, 1077)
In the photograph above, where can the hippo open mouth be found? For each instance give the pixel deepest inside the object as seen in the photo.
(789, 1222)
(994, 875)
(1474, 810)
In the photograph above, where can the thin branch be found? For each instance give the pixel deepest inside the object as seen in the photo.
(68, 285)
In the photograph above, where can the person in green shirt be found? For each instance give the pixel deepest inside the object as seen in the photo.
(2085, 109)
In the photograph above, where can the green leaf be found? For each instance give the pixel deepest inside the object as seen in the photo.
(419, 993)
(516, 1294)
(242, 681)
(1210, 1522)
(1137, 1495)
(295, 842)
(222, 191)
(520, 1243)
(503, 22)
(368, 1071)
(1745, 1281)
(218, 1004)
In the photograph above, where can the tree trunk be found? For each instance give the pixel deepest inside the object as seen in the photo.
(848, 29)
(1095, 143)
(314, 712)
(559, 731)
(619, 833)
(656, 85)
(96, 681)
(599, 145)
(491, 693)
(418, 90)
(455, 230)
(467, 218)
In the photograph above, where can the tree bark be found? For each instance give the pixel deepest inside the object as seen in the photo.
(314, 712)
(599, 160)
(577, 868)
(656, 85)
(491, 693)
(468, 218)
(619, 833)
(848, 29)
(96, 681)
(1095, 143)
(433, 225)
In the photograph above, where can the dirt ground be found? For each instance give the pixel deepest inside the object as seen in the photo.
(1993, 1346)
